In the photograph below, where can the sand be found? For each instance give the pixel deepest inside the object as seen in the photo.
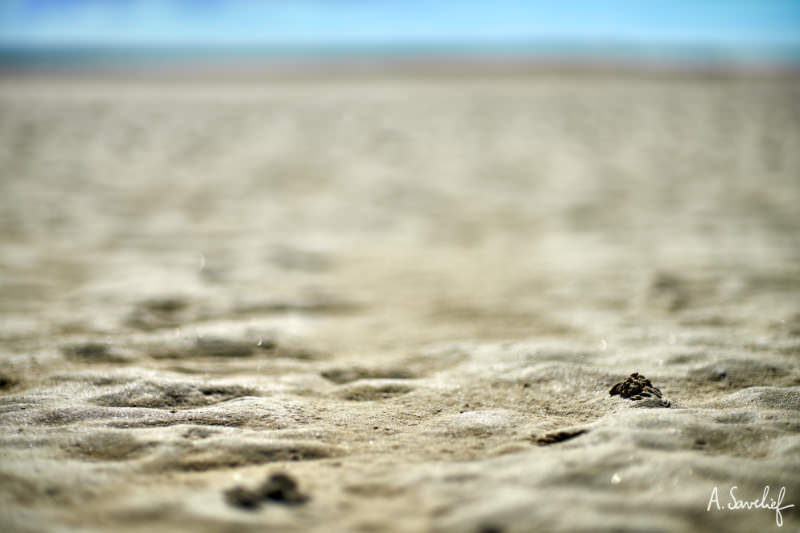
(410, 295)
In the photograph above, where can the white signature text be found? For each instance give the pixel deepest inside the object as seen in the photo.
(764, 503)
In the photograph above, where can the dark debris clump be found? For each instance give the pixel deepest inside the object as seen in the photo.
(278, 488)
(637, 387)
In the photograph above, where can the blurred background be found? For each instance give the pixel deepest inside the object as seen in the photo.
(224, 151)
(95, 33)
(228, 151)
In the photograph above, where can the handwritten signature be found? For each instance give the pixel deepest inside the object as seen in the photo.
(737, 504)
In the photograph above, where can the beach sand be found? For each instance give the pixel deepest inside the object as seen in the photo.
(411, 295)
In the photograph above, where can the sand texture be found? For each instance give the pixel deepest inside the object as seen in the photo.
(410, 296)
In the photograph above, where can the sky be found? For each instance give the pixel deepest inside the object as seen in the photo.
(720, 23)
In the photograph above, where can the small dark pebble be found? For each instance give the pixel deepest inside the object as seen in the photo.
(278, 488)
(243, 498)
(282, 488)
(6, 382)
(558, 436)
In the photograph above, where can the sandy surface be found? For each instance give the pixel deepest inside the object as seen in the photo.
(396, 291)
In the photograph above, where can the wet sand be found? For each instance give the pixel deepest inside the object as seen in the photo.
(410, 295)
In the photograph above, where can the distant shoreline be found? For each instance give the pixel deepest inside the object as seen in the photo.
(388, 59)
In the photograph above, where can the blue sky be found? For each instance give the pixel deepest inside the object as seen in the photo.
(728, 23)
